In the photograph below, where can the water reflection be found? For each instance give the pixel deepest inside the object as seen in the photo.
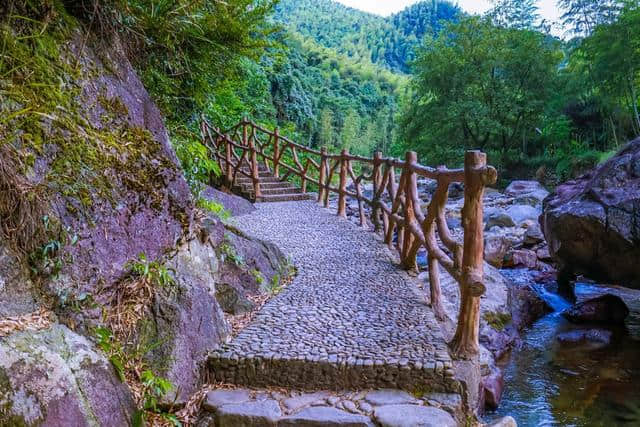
(552, 384)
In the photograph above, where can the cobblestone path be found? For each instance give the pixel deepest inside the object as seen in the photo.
(350, 318)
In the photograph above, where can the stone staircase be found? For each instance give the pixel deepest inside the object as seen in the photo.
(273, 188)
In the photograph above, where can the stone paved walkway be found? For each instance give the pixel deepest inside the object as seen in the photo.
(350, 318)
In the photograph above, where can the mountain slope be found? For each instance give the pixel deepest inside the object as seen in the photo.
(364, 37)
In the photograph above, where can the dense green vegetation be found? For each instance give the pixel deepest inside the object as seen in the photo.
(532, 101)
(363, 37)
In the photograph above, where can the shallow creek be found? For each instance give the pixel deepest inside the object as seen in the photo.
(549, 384)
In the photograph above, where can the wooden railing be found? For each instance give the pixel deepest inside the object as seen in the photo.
(395, 209)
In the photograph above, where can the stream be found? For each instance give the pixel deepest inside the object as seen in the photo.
(549, 384)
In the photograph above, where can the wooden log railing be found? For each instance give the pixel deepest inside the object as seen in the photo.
(395, 210)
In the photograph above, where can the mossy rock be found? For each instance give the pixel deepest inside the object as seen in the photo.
(55, 377)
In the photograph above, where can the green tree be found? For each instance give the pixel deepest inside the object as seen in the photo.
(613, 52)
(350, 135)
(520, 14)
(581, 17)
(479, 86)
(326, 131)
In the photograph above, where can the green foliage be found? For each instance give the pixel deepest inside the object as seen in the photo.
(613, 52)
(519, 14)
(581, 17)
(229, 252)
(195, 158)
(274, 287)
(49, 259)
(258, 276)
(153, 272)
(479, 86)
(107, 342)
(365, 38)
(213, 207)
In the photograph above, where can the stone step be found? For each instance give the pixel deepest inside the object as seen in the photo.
(314, 373)
(248, 186)
(329, 408)
(274, 191)
(284, 197)
(241, 179)
(261, 172)
(280, 184)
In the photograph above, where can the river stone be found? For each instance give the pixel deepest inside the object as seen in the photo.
(521, 258)
(517, 188)
(55, 377)
(296, 402)
(325, 417)
(533, 235)
(607, 308)
(493, 386)
(499, 218)
(217, 398)
(495, 249)
(413, 416)
(504, 422)
(249, 414)
(602, 337)
(521, 213)
(389, 397)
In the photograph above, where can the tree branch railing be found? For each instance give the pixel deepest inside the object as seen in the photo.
(395, 209)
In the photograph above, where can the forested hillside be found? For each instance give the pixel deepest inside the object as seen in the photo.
(389, 42)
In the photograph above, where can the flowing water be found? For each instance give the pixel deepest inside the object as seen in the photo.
(549, 384)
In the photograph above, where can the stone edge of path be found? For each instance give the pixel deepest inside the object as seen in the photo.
(386, 407)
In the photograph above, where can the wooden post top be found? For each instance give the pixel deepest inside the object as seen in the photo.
(411, 157)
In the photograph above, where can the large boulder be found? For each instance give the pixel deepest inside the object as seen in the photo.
(55, 378)
(607, 308)
(592, 223)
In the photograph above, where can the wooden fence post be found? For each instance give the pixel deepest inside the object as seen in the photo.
(476, 175)
(276, 154)
(227, 161)
(410, 184)
(323, 174)
(376, 177)
(342, 199)
(255, 175)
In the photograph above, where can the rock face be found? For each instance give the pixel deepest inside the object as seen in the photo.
(55, 378)
(189, 323)
(154, 203)
(606, 309)
(234, 204)
(592, 223)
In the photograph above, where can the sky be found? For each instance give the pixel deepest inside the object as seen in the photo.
(548, 8)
